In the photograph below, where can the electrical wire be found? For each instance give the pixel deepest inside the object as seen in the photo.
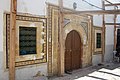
(93, 5)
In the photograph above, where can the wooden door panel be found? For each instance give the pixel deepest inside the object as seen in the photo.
(68, 53)
(68, 61)
(72, 51)
(76, 51)
(77, 41)
(76, 60)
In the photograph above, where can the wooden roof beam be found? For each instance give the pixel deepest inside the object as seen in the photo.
(112, 23)
(100, 12)
(115, 4)
(61, 46)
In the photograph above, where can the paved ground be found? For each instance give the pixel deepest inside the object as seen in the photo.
(109, 71)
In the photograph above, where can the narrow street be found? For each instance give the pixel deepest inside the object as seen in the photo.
(109, 71)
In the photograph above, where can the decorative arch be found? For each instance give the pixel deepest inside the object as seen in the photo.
(77, 28)
(84, 41)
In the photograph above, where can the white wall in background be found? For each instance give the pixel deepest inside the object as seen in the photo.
(109, 44)
(33, 7)
(97, 20)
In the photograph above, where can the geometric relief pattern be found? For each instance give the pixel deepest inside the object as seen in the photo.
(50, 10)
(66, 21)
(32, 44)
(50, 40)
(85, 27)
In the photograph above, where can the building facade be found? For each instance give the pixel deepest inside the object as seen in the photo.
(37, 38)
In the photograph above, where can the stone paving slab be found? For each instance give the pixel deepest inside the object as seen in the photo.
(107, 71)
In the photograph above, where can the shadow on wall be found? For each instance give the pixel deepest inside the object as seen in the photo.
(108, 57)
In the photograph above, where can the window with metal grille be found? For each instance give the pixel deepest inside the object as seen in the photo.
(27, 40)
(98, 40)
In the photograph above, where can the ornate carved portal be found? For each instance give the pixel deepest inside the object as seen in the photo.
(79, 23)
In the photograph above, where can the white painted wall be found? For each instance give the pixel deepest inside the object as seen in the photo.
(27, 73)
(109, 44)
(97, 20)
(110, 34)
(3, 7)
(109, 38)
(24, 73)
(81, 5)
(53, 1)
(32, 7)
(108, 57)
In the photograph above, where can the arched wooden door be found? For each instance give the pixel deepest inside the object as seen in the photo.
(72, 51)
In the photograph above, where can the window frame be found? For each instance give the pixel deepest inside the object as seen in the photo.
(97, 29)
(25, 60)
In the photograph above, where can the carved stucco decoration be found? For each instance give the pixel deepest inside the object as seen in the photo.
(27, 20)
(79, 23)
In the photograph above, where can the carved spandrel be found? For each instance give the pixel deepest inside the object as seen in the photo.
(85, 27)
